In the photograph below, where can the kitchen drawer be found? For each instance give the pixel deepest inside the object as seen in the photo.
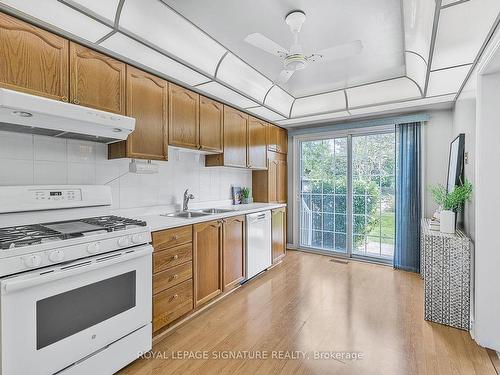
(171, 277)
(168, 238)
(165, 259)
(172, 304)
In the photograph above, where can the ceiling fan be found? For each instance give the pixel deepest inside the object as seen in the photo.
(294, 59)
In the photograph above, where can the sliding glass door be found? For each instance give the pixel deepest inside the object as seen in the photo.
(347, 195)
(323, 194)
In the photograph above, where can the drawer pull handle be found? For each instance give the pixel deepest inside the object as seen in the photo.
(175, 296)
(175, 277)
(176, 256)
(175, 237)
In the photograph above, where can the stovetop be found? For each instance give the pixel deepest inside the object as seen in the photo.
(25, 235)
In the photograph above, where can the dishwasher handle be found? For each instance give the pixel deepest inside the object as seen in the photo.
(259, 216)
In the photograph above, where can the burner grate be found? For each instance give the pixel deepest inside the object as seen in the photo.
(112, 223)
(25, 235)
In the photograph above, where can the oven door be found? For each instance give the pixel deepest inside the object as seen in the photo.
(52, 318)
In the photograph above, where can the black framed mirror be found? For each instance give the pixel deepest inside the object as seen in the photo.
(456, 163)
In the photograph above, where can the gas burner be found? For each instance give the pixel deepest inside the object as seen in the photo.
(25, 235)
(112, 223)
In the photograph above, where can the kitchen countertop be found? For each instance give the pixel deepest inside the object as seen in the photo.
(157, 222)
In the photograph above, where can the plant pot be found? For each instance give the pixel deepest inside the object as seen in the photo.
(447, 221)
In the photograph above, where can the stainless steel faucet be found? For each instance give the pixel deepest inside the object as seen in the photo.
(186, 199)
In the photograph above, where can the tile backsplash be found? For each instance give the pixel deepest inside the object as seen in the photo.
(31, 159)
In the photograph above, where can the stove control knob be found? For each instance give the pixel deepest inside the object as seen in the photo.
(93, 247)
(123, 242)
(138, 238)
(56, 256)
(32, 261)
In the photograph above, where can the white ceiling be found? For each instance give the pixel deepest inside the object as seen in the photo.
(410, 57)
(377, 23)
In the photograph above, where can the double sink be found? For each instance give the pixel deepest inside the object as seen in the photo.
(198, 213)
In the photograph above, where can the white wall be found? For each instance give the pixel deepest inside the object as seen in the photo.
(436, 138)
(487, 247)
(26, 159)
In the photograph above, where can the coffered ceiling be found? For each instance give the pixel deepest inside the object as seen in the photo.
(377, 24)
(413, 51)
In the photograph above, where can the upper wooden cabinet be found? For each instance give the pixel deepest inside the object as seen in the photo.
(147, 102)
(233, 252)
(211, 133)
(183, 117)
(96, 80)
(282, 141)
(257, 144)
(207, 261)
(278, 234)
(33, 60)
(235, 141)
(271, 186)
(277, 139)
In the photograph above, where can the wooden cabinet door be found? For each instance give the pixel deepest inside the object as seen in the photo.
(272, 178)
(183, 117)
(235, 138)
(211, 125)
(96, 80)
(147, 100)
(233, 252)
(257, 144)
(282, 140)
(278, 233)
(207, 261)
(281, 181)
(272, 138)
(33, 60)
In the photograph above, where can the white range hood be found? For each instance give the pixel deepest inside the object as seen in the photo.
(20, 112)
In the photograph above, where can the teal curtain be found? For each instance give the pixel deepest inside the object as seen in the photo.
(408, 197)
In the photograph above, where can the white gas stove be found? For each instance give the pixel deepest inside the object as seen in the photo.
(75, 294)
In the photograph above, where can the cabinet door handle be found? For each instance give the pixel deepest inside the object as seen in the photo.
(175, 277)
(64, 99)
(76, 101)
(175, 296)
(175, 257)
(175, 237)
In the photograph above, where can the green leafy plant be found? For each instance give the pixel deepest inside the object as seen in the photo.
(245, 192)
(455, 200)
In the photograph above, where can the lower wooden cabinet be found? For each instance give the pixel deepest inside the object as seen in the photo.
(278, 234)
(172, 303)
(233, 252)
(207, 261)
(172, 275)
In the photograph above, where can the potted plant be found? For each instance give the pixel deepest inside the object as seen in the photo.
(245, 195)
(451, 203)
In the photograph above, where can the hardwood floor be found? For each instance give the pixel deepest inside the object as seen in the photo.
(310, 304)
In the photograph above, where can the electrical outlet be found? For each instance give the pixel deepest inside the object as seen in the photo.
(466, 158)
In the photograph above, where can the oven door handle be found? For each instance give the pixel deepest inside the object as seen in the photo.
(85, 265)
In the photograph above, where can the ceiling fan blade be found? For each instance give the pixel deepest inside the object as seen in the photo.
(340, 51)
(284, 76)
(264, 43)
